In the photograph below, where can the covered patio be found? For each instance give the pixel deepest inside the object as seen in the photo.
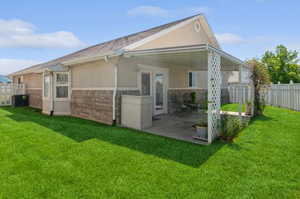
(179, 126)
(205, 58)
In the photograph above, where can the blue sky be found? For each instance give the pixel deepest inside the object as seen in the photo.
(34, 31)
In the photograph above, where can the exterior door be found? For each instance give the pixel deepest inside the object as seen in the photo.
(154, 82)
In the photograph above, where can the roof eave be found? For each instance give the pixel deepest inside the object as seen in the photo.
(193, 48)
(91, 58)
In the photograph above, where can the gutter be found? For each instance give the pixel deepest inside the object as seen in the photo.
(115, 91)
(103, 56)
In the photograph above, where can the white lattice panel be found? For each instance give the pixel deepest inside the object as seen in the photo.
(214, 94)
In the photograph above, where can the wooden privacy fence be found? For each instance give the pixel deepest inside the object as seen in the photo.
(279, 95)
(283, 95)
(8, 90)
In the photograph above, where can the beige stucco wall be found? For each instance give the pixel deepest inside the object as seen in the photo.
(178, 75)
(182, 36)
(93, 75)
(178, 78)
(32, 80)
(127, 73)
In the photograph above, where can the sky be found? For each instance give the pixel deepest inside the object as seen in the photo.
(34, 31)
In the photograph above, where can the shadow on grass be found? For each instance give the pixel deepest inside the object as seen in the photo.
(261, 118)
(82, 130)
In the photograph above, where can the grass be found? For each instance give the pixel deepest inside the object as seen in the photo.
(64, 157)
(233, 107)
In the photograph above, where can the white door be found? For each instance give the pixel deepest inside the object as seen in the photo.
(154, 82)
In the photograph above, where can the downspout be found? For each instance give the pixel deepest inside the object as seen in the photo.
(115, 92)
(115, 88)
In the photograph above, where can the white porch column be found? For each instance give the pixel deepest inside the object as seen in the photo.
(214, 94)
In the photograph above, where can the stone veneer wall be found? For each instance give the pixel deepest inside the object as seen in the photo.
(35, 98)
(93, 105)
(176, 97)
(119, 101)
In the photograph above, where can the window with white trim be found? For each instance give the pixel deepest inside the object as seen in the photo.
(62, 85)
(145, 83)
(192, 79)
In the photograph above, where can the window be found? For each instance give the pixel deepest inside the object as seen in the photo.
(20, 80)
(46, 86)
(146, 84)
(62, 85)
(192, 79)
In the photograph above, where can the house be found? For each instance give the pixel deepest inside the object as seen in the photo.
(167, 62)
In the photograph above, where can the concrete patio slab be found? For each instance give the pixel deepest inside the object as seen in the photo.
(177, 126)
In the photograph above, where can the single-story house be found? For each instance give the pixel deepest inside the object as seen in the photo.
(166, 62)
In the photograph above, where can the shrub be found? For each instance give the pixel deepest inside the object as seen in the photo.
(260, 78)
(193, 97)
(230, 127)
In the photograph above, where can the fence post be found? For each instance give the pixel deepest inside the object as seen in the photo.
(291, 95)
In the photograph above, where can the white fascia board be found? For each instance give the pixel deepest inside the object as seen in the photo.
(89, 59)
(226, 55)
(159, 34)
(195, 48)
(37, 70)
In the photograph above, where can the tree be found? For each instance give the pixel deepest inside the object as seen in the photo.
(260, 78)
(282, 65)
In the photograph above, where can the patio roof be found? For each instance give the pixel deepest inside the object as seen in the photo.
(195, 56)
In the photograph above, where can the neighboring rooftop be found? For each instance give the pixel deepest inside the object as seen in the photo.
(4, 79)
(108, 46)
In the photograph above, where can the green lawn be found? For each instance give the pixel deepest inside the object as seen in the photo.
(63, 157)
(233, 107)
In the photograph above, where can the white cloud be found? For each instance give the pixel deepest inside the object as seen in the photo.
(229, 38)
(155, 11)
(8, 66)
(21, 34)
(15, 26)
(192, 10)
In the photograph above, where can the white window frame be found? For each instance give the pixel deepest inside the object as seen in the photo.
(68, 84)
(196, 79)
(139, 78)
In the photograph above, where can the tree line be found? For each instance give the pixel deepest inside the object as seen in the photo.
(282, 65)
